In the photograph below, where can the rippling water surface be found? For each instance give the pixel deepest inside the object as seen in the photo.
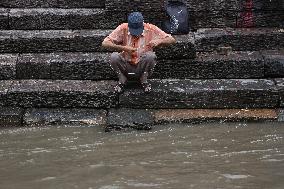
(174, 156)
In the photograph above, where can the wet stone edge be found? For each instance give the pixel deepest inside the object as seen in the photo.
(130, 118)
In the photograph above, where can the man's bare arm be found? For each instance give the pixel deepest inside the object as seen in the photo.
(119, 48)
(163, 42)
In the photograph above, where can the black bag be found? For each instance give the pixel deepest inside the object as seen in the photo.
(178, 17)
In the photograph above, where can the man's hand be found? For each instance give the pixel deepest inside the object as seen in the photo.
(129, 49)
(155, 43)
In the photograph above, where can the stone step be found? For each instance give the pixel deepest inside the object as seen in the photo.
(258, 18)
(4, 18)
(60, 19)
(240, 39)
(235, 19)
(280, 85)
(213, 93)
(195, 5)
(14, 41)
(132, 118)
(55, 93)
(95, 66)
(210, 13)
(274, 64)
(52, 3)
(46, 41)
(227, 93)
(144, 5)
(67, 18)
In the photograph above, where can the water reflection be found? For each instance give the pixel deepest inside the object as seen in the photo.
(173, 156)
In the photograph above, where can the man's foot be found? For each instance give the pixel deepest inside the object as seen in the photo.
(119, 88)
(146, 87)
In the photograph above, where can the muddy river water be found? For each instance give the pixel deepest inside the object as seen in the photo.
(181, 156)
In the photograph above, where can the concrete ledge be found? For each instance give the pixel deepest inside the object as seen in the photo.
(11, 116)
(8, 66)
(274, 63)
(51, 18)
(52, 3)
(58, 94)
(240, 39)
(45, 116)
(213, 93)
(202, 115)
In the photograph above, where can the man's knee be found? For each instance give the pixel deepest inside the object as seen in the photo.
(114, 58)
(150, 57)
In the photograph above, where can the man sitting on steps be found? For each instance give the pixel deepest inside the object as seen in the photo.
(135, 41)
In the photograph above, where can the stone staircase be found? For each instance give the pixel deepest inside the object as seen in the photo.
(52, 66)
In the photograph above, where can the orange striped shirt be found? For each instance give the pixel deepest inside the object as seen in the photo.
(121, 36)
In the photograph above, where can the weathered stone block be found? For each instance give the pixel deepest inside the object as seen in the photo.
(212, 19)
(5, 86)
(64, 116)
(239, 39)
(61, 93)
(213, 65)
(11, 116)
(280, 86)
(51, 41)
(79, 41)
(251, 18)
(41, 19)
(274, 63)
(261, 4)
(67, 66)
(206, 115)
(8, 66)
(281, 115)
(81, 3)
(4, 22)
(183, 48)
(233, 93)
(33, 66)
(157, 5)
(93, 66)
(134, 5)
(52, 3)
(129, 117)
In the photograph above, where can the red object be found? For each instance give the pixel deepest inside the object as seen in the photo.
(246, 17)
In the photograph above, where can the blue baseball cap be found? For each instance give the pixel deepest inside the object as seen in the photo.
(135, 23)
